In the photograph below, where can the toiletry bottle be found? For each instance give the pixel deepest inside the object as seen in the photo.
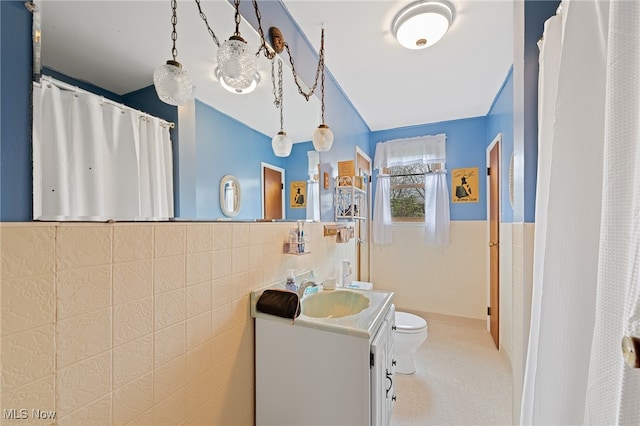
(345, 273)
(300, 236)
(293, 241)
(291, 281)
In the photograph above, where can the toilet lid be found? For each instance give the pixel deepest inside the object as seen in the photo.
(407, 321)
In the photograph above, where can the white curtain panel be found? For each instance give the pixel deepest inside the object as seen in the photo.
(313, 199)
(313, 186)
(97, 161)
(381, 223)
(436, 208)
(613, 393)
(587, 254)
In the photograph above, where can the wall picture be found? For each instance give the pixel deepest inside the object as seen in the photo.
(464, 185)
(298, 194)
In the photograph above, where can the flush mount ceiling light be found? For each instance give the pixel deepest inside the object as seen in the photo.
(251, 88)
(422, 24)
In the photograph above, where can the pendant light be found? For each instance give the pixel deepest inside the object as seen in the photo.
(172, 83)
(281, 143)
(323, 136)
(237, 65)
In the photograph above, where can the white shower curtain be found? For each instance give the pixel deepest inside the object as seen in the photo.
(584, 253)
(93, 160)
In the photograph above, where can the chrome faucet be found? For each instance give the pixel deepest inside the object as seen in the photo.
(304, 285)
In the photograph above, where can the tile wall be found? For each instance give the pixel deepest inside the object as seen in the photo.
(141, 324)
(449, 281)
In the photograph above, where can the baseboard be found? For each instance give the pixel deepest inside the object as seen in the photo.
(449, 319)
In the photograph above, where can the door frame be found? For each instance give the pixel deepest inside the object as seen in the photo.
(358, 152)
(497, 140)
(263, 166)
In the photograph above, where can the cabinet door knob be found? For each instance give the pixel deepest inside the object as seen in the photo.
(393, 362)
(393, 398)
(394, 328)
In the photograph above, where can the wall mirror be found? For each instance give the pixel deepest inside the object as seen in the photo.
(138, 32)
(230, 196)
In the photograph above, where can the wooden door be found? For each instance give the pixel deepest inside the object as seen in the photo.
(272, 192)
(494, 242)
(363, 168)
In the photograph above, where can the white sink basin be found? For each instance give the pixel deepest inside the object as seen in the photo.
(334, 304)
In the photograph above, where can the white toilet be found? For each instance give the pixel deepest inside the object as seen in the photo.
(411, 332)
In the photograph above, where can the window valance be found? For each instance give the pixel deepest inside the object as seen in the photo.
(401, 152)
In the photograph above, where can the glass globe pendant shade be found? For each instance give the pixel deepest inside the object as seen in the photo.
(237, 64)
(172, 83)
(322, 138)
(281, 144)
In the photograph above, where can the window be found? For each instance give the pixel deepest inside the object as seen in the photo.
(407, 192)
(412, 187)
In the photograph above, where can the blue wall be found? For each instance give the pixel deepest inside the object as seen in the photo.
(297, 169)
(348, 127)
(466, 147)
(89, 87)
(536, 12)
(227, 146)
(500, 120)
(15, 112)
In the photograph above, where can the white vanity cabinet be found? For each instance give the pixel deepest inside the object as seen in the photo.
(309, 374)
(383, 368)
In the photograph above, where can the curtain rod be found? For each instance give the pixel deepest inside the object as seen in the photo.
(71, 88)
(413, 174)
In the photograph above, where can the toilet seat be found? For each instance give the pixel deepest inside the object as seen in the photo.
(409, 324)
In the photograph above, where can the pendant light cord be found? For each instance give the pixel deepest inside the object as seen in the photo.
(278, 100)
(206, 22)
(237, 18)
(322, 71)
(174, 32)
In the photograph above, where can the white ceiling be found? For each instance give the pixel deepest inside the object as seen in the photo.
(117, 45)
(392, 86)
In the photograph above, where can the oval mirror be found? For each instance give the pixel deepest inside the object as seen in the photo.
(230, 196)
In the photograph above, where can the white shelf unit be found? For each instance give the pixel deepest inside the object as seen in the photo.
(350, 200)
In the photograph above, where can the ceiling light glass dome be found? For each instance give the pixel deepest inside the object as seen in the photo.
(422, 24)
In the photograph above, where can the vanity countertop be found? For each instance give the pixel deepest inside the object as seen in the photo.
(363, 324)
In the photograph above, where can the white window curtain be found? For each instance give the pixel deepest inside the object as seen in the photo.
(381, 232)
(313, 186)
(404, 152)
(95, 160)
(436, 208)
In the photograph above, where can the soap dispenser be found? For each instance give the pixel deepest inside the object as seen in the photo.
(291, 281)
